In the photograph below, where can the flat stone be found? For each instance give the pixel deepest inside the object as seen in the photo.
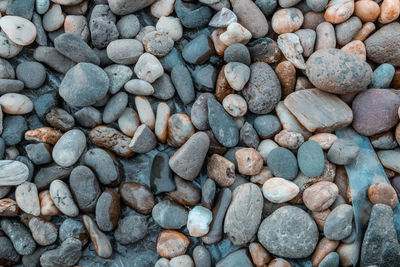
(20, 30)
(39, 153)
(239, 257)
(26, 195)
(267, 125)
(282, 163)
(294, 231)
(71, 228)
(43, 232)
(169, 215)
(128, 26)
(54, 59)
(163, 88)
(182, 80)
(13, 172)
(338, 224)
(311, 159)
(313, 109)
(248, 136)
(69, 45)
(62, 197)
(32, 74)
(115, 107)
(131, 229)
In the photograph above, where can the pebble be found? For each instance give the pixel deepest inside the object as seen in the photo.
(182, 80)
(162, 8)
(287, 20)
(69, 148)
(324, 247)
(251, 17)
(332, 259)
(62, 198)
(198, 221)
(279, 190)
(237, 53)
(320, 196)
(20, 30)
(169, 215)
(343, 152)
(13, 172)
(338, 224)
(287, 139)
(259, 254)
(163, 87)
(125, 51)
(26, 195)
(102, 31)
(382, 193)
(237, 74)
(318, 116)
(171, 244)
(71, 228)
(84, 85)
(160, 175)
(199, 111)
(235, 33)
(208, 191)
(158, 44)
(124, 7)
(216, 228)
(115, 107)
(289, 44)
(143, 140)
(49, 173)
(111, 139)
(186, 193)
(294, 231)
(235, 105)
(145, 112)
(107, 210)
(367, 11)
(390, 11)
(286, 73)
(131, 229)
(162, 262)
(162, 120)
(77, 25)
(375, 111)
(325, 140)
(345, 31)
(263, 90)
(32, 74)
(41, 6)
(181, 261)
(85, 188)
(192, 16)
(239, 257)
(148, 68)
(9, 208)
(311, 159)
(10, 86)
(282, 163)
(180, 129)
(249, 161)
(137, 196)
(39, 153)
(118, 75)
(382, 76)
(8, 48)
(219, 46)
(67, 44)
(8, 255)
(199, 50)
(128, 26)
(222, 87)
(201, 256)
(13, 129)
(222, 125)
(221, 170)
(101, 243)
(339, 11)
(223, 18)
(139, 87)
(88, 117)
(67, 254)
(171, 27)
(43, 232)
(248, 136)
(6, 70)
(19, 236)
(326, 36)
(47, 207)
(58, 62)
(244, 214)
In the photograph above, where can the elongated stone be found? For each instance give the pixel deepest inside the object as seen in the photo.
(99, 239)
(62, 197)
(26, 195)
(13, 172)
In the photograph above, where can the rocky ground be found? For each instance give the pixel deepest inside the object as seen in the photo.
(180, 133)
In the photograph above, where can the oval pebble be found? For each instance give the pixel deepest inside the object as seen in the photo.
(69, 148)
(62, 198)
(20, 30)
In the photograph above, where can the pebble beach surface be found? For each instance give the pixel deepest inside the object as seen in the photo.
(199, 133)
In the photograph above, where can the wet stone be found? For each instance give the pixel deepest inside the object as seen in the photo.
(186, 193)
(137, 196)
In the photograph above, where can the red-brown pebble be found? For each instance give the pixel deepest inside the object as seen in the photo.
(249, 161)
(382, 193)
(137, 196)
(172, 244)
(44, 135)
(186, 193)
(259, 254)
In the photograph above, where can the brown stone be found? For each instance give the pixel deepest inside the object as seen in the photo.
(137, 196)
(9, 208)
(367, 10)
(286, 73)
(390, 10)
(320, 196)
(222, 87)
(215, 147)
(45, 233)
(382, 193)
(44, 135)
(186, 193)
(342, 181)
(60, 119)
(339, 11)
(320, 218)
(99, 239)
(221, 170)
(107, 210)
(259, 254)
(249, 161)
(251, 17)
(47, 206)
(312, 20)
(324, 247)
(171, 244)
(180, 129)
(365, 31)
(79, 9)
(218, 44)
(278, 262)
(396, 80)
(287, 20)
(112, 139)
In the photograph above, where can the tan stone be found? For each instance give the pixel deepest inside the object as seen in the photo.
(390, 10)
(320, 196)
(171, 244)
(339, 11)
(324, 247)
(325, 140)
(259, 254)
(249, 161)
(47, 206)
(45, 135)
(161, 125)
(382, 193)
(356, 48)
(221, 170)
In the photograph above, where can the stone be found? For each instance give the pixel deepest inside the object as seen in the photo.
(10, 86)
(311, 159)
(294, 232)
(47, 207)
(279, 190)
(118, 75)
(343, 152)
(319, 117)
(103, 31)
(248, 136)
(338, 224)
(16, 104)
(188, 159)
(186, 193)
(382, 76)
(84, 84)
(8, 255)
(45, 134)
(223, 18)
(21, 9)
(69, 148)
(182, 80)
(49, 173)
(58, 62)
(99, 239)
(339, 11)
(77, 25)
(148, 68)
(382, 193)
(8, 48)
(345, 31)
(26, 195)
(160, 175)
(68, 44)
(6, 70)
(282, 163)
(259, 254)
(384, 37)
(237, 74)
(171, 244)
(381, 112)
(198, 221)
(199, 50)
(244, 214)
(390, 11)
(125, 51)
(145, 111)
(222, 125)
(13, 129)
(250, 17)
(235, 33)
(139, 87)
(162, 8)
(137, 197)
(71, 228)
(380, 245)
(325, 140)
(163, 87)
(60, 119)
(158, 44)
(169, 215)
(88, 117)
(237, 53)
(124, 7)
(332, 259)
(235, 105)
(263, 90)
(219, 46)
(289, 44)
(208, 191)
(287, 20)
(112, 139)
(351, 81)
(43, 232)
(192, 16)
(221, 170)
(161, 125)
(107, 210)
(115, 107)
(326, 37)
(249, 161)
(324, 247)
(39, 153)
(131, 229)
(128, 26)
(320, 196)
(32, 74)
(9, 208)
(19, 236)
(199, 112)
(180, 129)
(68, 253)
(143, 141)
(290, 140)
(239, 257)
(62, 198)
(13, 172)
(201, 256)
(20, 30)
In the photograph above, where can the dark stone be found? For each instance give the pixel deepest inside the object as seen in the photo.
(29, 164)
(208, 193)
(237, 53)
(193, 16)
(282, 163)
(104, 165)
(88, 117)
(163, 87)
(230, 155)
(60, 119)
(75, 229)
(44, 104)
(8, 255)
(102, 32)
(199, 112)
(199, 50)
(160, 175)
(267, 125)
(267, 7)
(54, 59)
(248, 136)
(172, 59)
(264, 50)
(75, 48)
(183, 83)
(107, 210)
(39, 153)
(33, 260)
(31, 73)
(169, 215)
(311, 159)
(205, 77)
(19, 235)
(49, 173)
(131, 229)
(237, 258)
(21, 8)
(67, 254)
(14, 128)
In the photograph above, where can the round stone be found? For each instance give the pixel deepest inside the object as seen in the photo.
(157, 44)
(282, 163)
(235, 105)
(131, 229)
(382, 193)
(125, 51)
(32, 74)
(237, 74)
(343, 152)
(320, 196)
(279, 190)
(20, 30)
(148, 68)
(128, 26)
(338, 224)
(69, 148)
(311, 159)
(62, 198)
(287, 20)
(237, 53)
(199, 219)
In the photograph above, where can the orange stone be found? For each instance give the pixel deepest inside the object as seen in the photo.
(218, 44)
(259, 254)
(222, 87)
(286, 73)
(367, 10)
(365, 31)
(45, 135)
(390, 10)
(171, 244)
(382, 193)
(339, 11)
(356, 48)
(47, 206)
(221, 170)
(137, 196)
(324, 247)
(278, 262)
(249, 161)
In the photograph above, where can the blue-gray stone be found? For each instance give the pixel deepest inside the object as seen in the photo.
(29, 164)
(222, 125)
(198, 50)
(237, 53)
(115, 107)
(317, 5)
(72, 228)
(230, 155)
(383, 76)
(343, 152)
(248, 136)
(44, 104)
(282, 163)
(330, 260)
(160, 175)
(21, 8)
(39, 153)
(75, 48)
(267, 125)
(193, 16)
(31, 73)
(14, 128)
(169, 215)
(237, 258)
(205, 77)
(2, 148)
(267, 6)
(173, 58)
(183, 83)
(311, 159)
(19, 235)
(163, 87)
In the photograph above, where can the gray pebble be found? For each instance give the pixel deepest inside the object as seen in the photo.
(157, 44)
(317, 5)
(32, 74)
(193, 16)
(75, 48)
(199, 112)
(67, 254)
(237, 53)
(208, 193)
(248, 136)
(131, 229)
(21, 8)
(72, 228)
(183, 83)
(102, 54)
(160, 175)
(282, 163)
(237, 258)
(267, 126)
(267, 7)
(345, 31)
(8, 255)
(201, 256)
(19, 235)
(163, 87)
(49, 173)
(107, 210)
(44, 103)
(104, 165)
(54, 59)
(172, 59)
(144, 140)
(14, 128)
(6, 70)
(115, 107)
(69, 148)
(102, 32)
(311, 159)
(128, 26)
(118, 76)
(41, 6)
(343, 152)
(39, 153)
(10, 86)
(169, 215)
(88, 117)
(199, 50)
(125, 51)
(382, 76)
(205, 77)
(338, 224)
(41, 35)
(33, 259)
